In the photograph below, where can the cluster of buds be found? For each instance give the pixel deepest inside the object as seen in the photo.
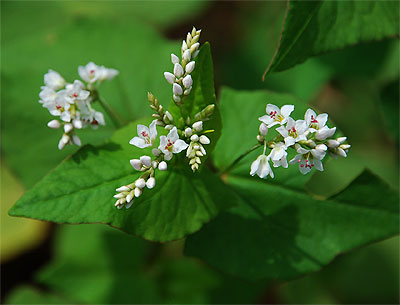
(181, 80)
(311, 138)
(72, 103)
(187, 137)
(196, 149)
(127, 193)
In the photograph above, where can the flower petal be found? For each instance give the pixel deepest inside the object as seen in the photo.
(139, 142)
(286, 110)
(178, 146)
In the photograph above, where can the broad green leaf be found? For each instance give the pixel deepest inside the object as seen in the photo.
(80, 190)
(201, 96)
(30, 295)
(313, 28)
(99, 265)
(17, 235)
(390, 108)
(137, 51)
(278, 233)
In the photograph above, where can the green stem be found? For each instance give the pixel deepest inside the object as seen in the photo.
(114, 117)
(238, 159)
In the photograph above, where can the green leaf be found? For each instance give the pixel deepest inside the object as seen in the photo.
(119, 44)
(390, 108)
(286, 233)
(80, 190)
(202, 95)
(99, 265)
(313, 28)
(30, 295)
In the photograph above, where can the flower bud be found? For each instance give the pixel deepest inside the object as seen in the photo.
(169, 127)
(177, 99)
(129, 197)
(61, 144)
(188, 132)
(194, 138)
(184, 46)
(178, 70)
(156, 152)
(341, 152)
(123, 189)
(186, 55)
(174, 59)
(177, 89)
(140, 183)
(169, 77)
(146, 160)
(77, 124)
(151, 182)
(65, 138)
(263, 129)
(332, 143)
(68, 127)
(198, 126)
(54, 124)
(119, 195)
(187, 81)
(129, 204)
(345, 146)
(204, 140)
(76, 140)
(136, 164)
(194, 47)
(169, 116)
(138, 191)
(162, 166)
(260, 138)
(341, 139)
(187, 91)
(190, 67)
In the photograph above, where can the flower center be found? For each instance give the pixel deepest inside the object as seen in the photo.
(277, 117)
(293, 132)
(169, 145)
(308, 163)
(75, 94)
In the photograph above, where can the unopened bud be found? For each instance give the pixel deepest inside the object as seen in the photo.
(188, 132)
(204, 140)
(341, 139)
(151, 182)
(169, 77)
(194, 138)
(68, 127)
(136, 164)
(178, 70)
(174, 59)
(190, 67)
(198, 126)
(146, 160)
(162, 166)
(187, 81)
(54, 124)
(138, 191)
(140, 183)
(263, 129)
(332, 143)
(156, 152)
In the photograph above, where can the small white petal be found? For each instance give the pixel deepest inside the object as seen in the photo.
(174, 59)
(54, 124)
(68, 127)
(177, 89)
(198, 126)
(151, 182)
(178, 70)
(146, 160)
(140, 183)
(162, 166)
(190, 67)
(136, 164)
(169, 77)
(123, 189)
(204, 140)
(187, 81)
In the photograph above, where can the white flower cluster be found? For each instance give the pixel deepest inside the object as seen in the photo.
(72, 102)
(190, 138)
(311, 138)
(181, 80)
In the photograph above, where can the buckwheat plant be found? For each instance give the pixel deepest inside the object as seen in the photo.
(184, 136)
(311, 138)
(72, 102)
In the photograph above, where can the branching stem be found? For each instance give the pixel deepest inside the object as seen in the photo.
(238, 159)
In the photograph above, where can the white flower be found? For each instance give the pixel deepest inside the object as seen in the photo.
(59, 107)
(293, 132)
(275, 115)
(92, 73)
(76, 91)
(146, 135)
(278, 155)
(315, 122)
(47, 95)
(54, 80)
(324, 133)
(307, 159)
(261, 167)
(172, 144)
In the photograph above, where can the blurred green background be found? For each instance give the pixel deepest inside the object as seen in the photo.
(42, 263)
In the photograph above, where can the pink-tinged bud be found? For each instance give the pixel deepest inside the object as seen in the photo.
(162, 166)
(140, 183)
(169, 77)
(190, 67)
(174, 59)
(263, 129)
(68, 127)
(54, 124)
(204, 140)
(151, 182)
(187, 81)
(177, 89)
(178, 70)
(136, 164)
